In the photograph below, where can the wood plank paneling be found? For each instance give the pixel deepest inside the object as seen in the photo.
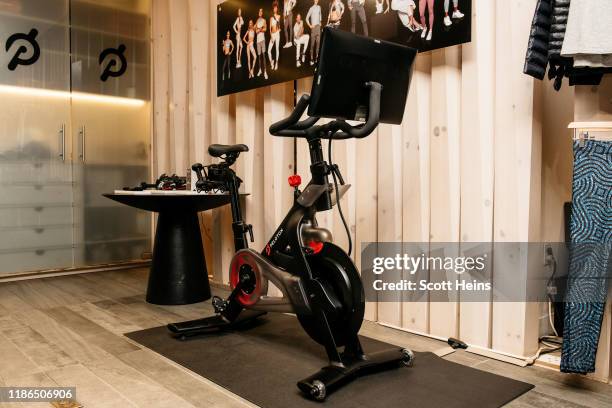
(200, 95)
(516, 168)
(445, 177)
(416, 183)
(220, 227)
(178, 13)
(278, 163)
(366, 206)
(278, 154)
(201, 121)
(161, 79)
(389, 209)
(477, 173)
(250, 166)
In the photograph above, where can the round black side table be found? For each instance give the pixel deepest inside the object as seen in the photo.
(178, 270)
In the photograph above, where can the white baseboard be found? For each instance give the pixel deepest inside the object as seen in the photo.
(520, 361)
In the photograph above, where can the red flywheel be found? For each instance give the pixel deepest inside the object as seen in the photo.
(244, 264)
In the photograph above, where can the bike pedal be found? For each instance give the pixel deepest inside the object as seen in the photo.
(219, 304)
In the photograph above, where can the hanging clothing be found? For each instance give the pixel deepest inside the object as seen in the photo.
(589, 29)
(546, 39)
(558, 24)
(536, 60)
(594, 61)
(590, 255)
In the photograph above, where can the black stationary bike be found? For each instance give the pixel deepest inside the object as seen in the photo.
(318, 280)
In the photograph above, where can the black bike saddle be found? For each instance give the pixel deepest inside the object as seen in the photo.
(218, 150)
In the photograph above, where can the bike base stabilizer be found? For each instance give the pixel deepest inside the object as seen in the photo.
(211, 324)
(319, 385)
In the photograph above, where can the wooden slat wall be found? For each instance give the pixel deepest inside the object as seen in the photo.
(477, 174)
(516, 167)
(416, 211)
(458, 169)
(445, 174)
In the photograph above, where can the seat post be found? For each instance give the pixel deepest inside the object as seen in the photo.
(239, 228)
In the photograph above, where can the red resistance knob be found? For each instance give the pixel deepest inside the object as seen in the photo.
(315, 246)
(295, 180)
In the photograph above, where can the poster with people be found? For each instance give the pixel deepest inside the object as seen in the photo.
(265, 42)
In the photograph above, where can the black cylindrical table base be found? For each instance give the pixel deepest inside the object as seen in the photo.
(178, 272)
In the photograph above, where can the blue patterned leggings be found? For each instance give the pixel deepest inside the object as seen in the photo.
(590, 255)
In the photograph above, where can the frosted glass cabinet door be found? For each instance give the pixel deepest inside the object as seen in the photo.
(111, 127)
(35, 168)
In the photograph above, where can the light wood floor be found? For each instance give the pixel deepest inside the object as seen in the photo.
(68, 331)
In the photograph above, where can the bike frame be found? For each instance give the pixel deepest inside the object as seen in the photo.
(285, 247)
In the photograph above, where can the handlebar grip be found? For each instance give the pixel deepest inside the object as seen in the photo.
(290, 133)
(292, 119)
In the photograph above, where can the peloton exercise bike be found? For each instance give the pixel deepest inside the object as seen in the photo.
(358, 78)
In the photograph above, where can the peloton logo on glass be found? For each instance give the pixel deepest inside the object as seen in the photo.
(23, 49)
(117, 57)
(26, 51)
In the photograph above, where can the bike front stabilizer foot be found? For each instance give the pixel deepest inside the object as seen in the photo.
(319, 385)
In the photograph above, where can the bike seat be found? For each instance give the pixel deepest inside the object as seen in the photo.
(218, 150)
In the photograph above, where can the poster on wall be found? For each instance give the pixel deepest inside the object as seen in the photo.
(265, 42)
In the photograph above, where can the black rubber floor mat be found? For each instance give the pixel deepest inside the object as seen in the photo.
(263, 363)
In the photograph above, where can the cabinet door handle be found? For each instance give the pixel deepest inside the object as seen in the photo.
(62, 132)
(83, 138)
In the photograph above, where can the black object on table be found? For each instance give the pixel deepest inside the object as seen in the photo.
(178, 271)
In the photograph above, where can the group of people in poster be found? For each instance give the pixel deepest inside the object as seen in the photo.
(303, 32)
(406, 12)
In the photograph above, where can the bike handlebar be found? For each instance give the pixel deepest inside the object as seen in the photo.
(293, 119)
(337, 129)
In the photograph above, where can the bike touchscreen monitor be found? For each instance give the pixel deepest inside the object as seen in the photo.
(347, 63)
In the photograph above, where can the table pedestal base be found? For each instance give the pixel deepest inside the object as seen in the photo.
(178, 271)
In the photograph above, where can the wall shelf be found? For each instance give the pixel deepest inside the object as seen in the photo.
(595, 126)
(601, 131)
